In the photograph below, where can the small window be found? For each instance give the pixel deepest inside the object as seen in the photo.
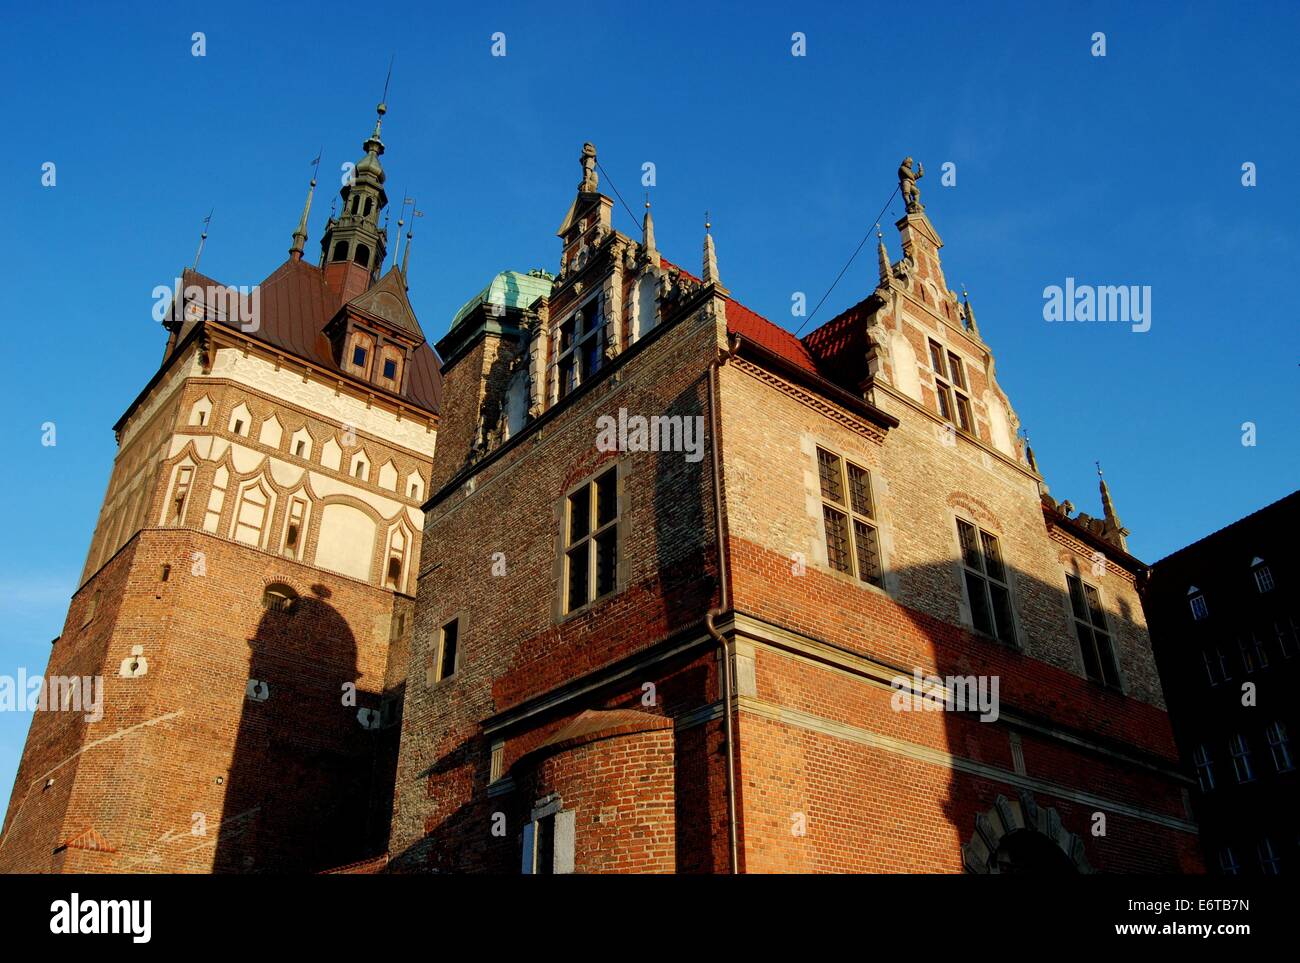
(300, 448)
(1204, 768)
(340, 251)
(448, 640)
(370, 203)
(181, 495)
(1228, 861)
(359, 356)
(580, 349)
(1287, 637)
(203, 418)
(1270, 863)
(1280, 747)
(848, 514)
(239, 426)
(1197, 602)
(591, 546)
(986, 582)
(390, 369)
(1240, 750)
(415, 489)
(164, 573)
(1263, 577)
(361, 255)
(278, 597)
(1253, 655)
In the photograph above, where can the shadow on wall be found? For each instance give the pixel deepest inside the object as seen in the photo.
(299, 790)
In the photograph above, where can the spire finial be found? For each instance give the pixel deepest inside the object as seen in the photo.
(203, 239)
(300, 235)
(410, 233)
(969, 312)
(710, 275)
(882, 255)
(647, 228)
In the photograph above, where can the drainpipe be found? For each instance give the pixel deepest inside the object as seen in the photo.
(724, 601)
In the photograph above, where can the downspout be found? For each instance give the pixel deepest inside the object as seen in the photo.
(724, 600)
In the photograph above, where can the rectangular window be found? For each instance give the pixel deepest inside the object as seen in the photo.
(1270, 863)
(1263, 578)
(359, 356)
(448, 640)
(1286, 637)
(1094, 635)
(1240, 750)
(549, 843)
(293, 533)
(591, 541)
(1280, 746)
(848, 513)
(390, 369)
(1204, 768)
(580, 347)
(986, 582)
(183, 479)
(1199, 609)
(950, 388)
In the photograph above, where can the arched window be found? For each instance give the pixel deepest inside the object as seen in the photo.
(362, 255)
(356, 201)
(340, 251)
(369, 204)
(278, 597)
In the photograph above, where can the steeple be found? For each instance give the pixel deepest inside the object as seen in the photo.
(648, 229)
(710, 275)
(969, 312)
(300, 235)
(354, 246)
(1113, 528)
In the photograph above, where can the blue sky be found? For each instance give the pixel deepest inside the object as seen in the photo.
(1117, 170)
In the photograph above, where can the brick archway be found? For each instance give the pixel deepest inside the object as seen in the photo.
(1022, 820)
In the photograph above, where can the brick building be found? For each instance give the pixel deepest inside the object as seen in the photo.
(247, 595)
(1225, 627)
(695, 575)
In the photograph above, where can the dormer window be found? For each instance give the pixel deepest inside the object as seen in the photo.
(359, 356)
(1196, 600)
(1263, 576)
(390, 369)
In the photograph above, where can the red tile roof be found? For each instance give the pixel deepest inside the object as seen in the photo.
(840, 347)
(754, 327)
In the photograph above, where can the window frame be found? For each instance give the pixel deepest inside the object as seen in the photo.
(1239, 750)
(573, 354)
(952, 391)
(1263, 574)
(1201, 613)
(440, 650)
(986, 581)
(1089, 624)
(590, 540)
(1203, 763)
(1279, 743)
(849, 509)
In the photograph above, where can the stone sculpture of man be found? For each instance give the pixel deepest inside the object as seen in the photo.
(907, 183)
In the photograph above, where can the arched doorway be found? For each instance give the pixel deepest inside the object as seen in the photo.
(1019, 837)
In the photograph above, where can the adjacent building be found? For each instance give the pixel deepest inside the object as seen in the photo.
(247, 597)
(709, 597)
(1225, 624)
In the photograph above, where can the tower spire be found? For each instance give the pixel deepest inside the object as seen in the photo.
(648, 228)
(710, 256)
(410, 234)
(882, 255)
(355, 246)
(300, 235)
(969, 312)
(1107, 506)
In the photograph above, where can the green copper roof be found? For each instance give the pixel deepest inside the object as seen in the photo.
(511, 289)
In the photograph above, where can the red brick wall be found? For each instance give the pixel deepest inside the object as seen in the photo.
(621, 788)
(291, 783)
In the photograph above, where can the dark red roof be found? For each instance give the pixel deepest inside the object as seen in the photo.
(753, 327)
(295, 307)
(840, 346)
